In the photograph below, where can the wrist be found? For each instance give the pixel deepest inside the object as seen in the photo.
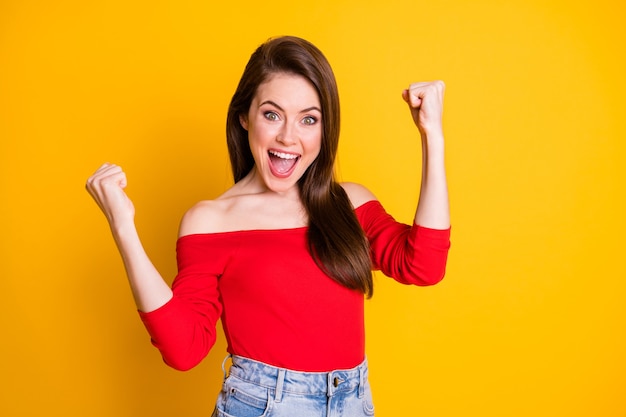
(122, 230)
(433, 141)
(432, 134)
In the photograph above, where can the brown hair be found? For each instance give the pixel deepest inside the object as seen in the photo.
(336, 240)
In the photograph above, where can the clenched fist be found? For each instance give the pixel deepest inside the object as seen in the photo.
(425, 100)
(106, 186)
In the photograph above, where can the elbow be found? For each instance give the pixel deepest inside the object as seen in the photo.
(429, 270)
(189, 358)
(182, 365)
(436, 275)
(423, 277)
(433, 279)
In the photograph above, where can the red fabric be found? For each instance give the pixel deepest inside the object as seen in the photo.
(276, 305)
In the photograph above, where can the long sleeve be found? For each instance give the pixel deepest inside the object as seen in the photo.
(409, 254)
(236, 276)
(184, 328)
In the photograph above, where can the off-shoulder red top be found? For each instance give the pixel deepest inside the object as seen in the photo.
(275, 304)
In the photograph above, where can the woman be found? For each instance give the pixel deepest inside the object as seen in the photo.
(284, 256)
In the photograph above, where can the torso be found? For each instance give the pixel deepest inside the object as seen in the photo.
(273, 279)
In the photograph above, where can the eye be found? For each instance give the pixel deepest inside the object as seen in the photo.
(270, 115)
(309, 120)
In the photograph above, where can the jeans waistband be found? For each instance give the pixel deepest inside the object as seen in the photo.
(296, 382)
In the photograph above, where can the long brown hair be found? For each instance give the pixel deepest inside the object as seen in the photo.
(336, 240)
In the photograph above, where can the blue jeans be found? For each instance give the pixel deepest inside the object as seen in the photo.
(255, 389)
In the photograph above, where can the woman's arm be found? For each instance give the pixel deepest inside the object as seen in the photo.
(425, 101)
(106, 186)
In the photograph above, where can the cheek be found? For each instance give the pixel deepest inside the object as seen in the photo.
(260, 133)
(313, 141)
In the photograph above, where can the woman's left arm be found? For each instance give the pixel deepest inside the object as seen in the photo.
(425, 101)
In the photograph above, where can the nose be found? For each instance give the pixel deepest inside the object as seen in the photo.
(287, 134)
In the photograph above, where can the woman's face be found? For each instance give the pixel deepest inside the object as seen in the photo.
(284, 125)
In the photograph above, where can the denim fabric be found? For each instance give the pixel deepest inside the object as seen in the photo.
(255, 389)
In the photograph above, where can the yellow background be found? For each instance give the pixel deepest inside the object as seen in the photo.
(531, 318)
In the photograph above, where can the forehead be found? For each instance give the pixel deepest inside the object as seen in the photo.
(288, 89)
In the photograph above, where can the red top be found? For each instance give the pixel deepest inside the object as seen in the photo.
(276, 305)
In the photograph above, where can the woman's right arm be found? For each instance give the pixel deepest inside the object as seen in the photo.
(106, 186)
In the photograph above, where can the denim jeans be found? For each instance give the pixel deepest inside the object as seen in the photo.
(255, 389)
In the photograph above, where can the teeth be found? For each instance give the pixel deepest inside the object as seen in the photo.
(283, 155)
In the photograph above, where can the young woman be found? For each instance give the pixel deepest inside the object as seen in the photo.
(284, 257)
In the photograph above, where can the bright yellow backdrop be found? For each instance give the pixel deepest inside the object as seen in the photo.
(531, 318)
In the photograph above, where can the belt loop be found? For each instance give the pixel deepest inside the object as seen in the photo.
(280, 380)
(362, 380)
(224, 364)
(329, 384)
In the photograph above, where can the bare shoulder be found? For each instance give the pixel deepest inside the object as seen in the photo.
(203, 217)
(357, 193)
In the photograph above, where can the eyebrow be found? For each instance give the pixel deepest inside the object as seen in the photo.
(308, 109)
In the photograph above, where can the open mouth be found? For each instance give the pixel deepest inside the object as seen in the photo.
(282, 163)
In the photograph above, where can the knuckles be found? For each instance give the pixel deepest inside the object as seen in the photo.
(108, 175)
(428, 86)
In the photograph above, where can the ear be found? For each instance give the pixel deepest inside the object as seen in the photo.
(243, 120)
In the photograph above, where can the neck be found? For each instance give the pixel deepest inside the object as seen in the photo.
(253, 183)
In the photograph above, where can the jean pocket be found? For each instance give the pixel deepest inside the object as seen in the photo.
(242, 399)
